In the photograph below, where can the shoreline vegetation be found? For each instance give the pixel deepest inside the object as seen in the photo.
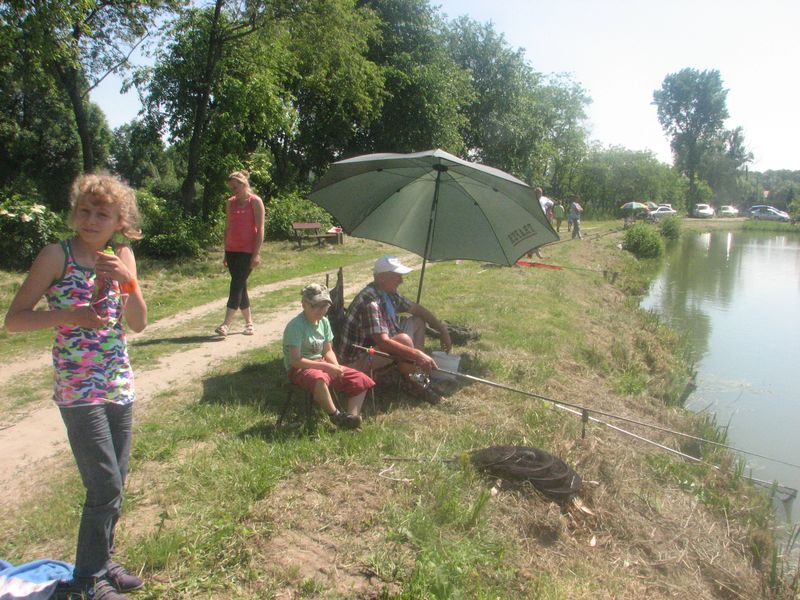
(221, 504)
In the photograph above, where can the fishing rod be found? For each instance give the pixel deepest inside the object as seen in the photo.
(584, 411)
(527, 263)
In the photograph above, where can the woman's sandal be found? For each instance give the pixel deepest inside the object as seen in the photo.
(249, 329)
(222, 330)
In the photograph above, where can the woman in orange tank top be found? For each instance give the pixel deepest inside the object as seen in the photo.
(244, 234)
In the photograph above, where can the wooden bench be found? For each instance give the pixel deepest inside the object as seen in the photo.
(311, 231)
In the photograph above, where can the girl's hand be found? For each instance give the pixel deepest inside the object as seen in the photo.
(255, 261)
(111, 266)
(87, 318)
(225, 262)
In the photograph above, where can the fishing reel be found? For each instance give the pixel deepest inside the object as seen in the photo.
(421, 379)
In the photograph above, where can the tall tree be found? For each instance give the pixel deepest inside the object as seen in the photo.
(517, 120)
(335, 90)
(215, 83)
(426, 92)
(81, 42)
(692, 110)
(287, 85)
(722, 166)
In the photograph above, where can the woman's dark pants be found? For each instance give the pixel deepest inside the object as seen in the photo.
(239, 267)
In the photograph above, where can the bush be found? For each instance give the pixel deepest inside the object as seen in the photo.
(643, 241)
(290, 208)
(670, 228)
(168, 233)
(25, 228)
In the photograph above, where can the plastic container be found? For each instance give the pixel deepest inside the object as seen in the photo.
(445, 361)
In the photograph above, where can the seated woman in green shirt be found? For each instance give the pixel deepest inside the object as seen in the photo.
(312, 365)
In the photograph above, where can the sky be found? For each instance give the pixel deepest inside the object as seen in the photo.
(621, 50)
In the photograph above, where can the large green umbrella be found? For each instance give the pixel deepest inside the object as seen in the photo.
(436, 205)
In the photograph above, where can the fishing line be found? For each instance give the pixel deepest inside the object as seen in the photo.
(581, 410)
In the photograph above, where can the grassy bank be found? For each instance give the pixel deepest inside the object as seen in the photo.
(771, 226)
(221, 504)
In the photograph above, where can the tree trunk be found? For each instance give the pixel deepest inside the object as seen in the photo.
(70, 81)
(201, 112)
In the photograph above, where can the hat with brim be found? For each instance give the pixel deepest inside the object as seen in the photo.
(390, 264)
(316, 294)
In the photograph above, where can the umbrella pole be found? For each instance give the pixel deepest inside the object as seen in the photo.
(431, 226)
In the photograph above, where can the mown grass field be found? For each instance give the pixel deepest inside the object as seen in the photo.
(222, 504)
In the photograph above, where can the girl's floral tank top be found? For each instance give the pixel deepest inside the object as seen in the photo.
(91, 365)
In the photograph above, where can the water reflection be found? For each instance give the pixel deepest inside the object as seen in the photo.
(736, 295)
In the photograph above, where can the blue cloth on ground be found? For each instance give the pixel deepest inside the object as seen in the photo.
(35, 580)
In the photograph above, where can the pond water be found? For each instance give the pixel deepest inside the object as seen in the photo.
(737, 296)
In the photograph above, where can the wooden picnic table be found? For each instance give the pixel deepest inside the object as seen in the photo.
(311, 231)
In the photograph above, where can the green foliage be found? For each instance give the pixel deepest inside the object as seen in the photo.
(517, 119)
(168, 233)
(290, 208)
(425, 90)
(137, 152)
(670, 228)
(643, 241)
(25, 228)
(609, 177)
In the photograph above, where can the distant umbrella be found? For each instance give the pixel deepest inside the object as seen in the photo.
(633, 206)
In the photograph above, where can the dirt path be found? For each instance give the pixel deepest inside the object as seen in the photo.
(30, 442)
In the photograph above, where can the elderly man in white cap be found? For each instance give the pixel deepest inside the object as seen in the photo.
(372, 320)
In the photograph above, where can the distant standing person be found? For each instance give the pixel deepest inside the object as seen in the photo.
(546, 204)
(558, 211)
(547, 209)
(575, 211)
(244, 234)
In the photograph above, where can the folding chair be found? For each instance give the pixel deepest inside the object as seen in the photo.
(307, 405)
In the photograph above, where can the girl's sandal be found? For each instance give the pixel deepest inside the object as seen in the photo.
(249, 329)
(222, 330)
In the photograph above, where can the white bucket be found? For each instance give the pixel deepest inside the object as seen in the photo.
(445, 361)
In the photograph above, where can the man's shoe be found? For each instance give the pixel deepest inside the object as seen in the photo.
(345, 420)
(124, 582)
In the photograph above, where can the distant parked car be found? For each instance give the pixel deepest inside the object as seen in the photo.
(703, 211)
(667, 205)
(769, 213)
(728, 211)
(661, 212)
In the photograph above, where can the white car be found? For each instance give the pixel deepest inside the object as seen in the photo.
(703, 211)
(728, 211)
(661, 212)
